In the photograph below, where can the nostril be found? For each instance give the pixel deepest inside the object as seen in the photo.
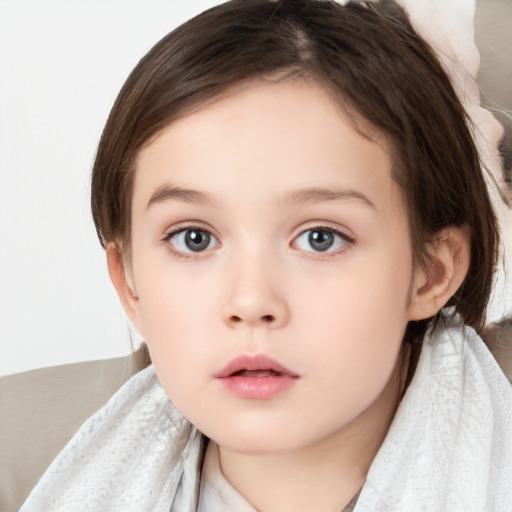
(265, 319)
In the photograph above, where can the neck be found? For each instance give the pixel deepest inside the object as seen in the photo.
(323, 476)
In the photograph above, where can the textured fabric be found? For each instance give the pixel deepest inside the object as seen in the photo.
(134, 455)
(449, 448)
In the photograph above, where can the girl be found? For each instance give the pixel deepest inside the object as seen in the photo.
(295, 220)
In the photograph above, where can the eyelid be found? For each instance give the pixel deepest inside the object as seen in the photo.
(326, 226)
(189, 224)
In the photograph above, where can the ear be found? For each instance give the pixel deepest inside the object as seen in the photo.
(449, 263)
(122, 279)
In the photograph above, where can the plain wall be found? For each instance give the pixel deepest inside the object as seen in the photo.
(62, 63)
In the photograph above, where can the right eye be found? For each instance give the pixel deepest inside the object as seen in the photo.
(192, 240)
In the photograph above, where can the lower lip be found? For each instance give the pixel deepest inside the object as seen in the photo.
(258, 388)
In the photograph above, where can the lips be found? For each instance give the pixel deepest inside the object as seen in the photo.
(256, 377)
(257, 363)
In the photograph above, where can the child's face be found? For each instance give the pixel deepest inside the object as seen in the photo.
(290, 240)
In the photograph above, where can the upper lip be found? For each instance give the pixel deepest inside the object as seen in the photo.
(253, 362)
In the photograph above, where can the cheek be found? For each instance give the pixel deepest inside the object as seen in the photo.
(176, 315)
(370, 292)
(172, 296)
(357, 321)
(178, 342)
(172, 317)
(360, 337)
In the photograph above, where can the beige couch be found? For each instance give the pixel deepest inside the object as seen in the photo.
(42, 409)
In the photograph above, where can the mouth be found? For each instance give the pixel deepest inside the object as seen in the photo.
(256, 377)
(255, 373)
(254, 365)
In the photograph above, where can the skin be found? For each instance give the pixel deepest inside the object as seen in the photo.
(336, 318)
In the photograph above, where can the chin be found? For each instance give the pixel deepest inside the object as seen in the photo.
(258, 445)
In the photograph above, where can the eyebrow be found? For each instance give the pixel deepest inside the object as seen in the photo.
(308, 195)
(166, 192)
(320, 195)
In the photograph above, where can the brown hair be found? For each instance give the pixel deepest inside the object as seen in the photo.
(368, 56)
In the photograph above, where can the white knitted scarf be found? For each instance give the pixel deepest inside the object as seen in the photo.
(449, 448)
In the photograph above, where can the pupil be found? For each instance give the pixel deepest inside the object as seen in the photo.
(321, 240)
(197, 240)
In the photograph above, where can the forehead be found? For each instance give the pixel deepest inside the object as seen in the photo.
(266, 138)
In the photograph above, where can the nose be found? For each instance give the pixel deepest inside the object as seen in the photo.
(256, 297)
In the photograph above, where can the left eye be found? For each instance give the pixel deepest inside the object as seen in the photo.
(192, 240)
(320, 240)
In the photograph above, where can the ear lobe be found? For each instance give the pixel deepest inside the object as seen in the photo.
(123, 283)
(433, 287)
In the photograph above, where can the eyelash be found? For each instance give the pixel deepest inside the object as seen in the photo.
(318, 227)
